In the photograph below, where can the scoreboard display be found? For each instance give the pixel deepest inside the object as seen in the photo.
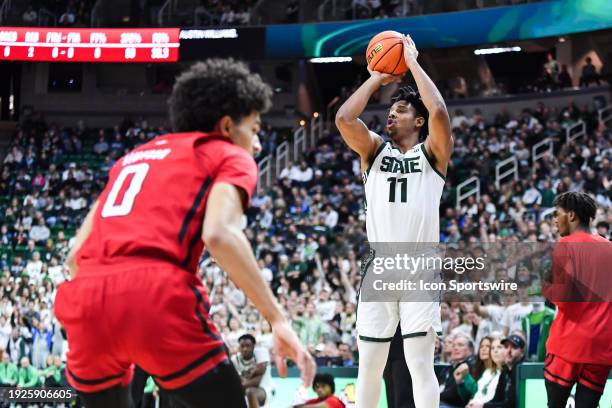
(89, 45)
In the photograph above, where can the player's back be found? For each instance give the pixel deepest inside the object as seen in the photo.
(152, 208)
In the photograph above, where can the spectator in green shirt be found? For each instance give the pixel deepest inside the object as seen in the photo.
(309, 327)
(466, 378)
(27, 375)
(52, 375)
(8, 371)
(548, 195)
(536, 327)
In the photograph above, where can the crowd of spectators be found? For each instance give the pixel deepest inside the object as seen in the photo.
(307, 232)
(554, 77)
(63, 13)
(44, 196)
(223, 13)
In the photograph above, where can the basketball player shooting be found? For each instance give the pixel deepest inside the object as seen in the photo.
(135, 296)
(402, 206)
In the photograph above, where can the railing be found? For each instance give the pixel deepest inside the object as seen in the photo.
(282, 158)
(475, 190)
(265, 174)
(95, 20)
(299, 140)
(166, 8)
(575, 131)
(255, 16)
(4, 9)
(500, 175)
(537, 155)
(275, 162)
(321, 12)
(316, 129)
(605, 114)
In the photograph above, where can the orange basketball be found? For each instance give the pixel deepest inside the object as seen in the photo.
(385, 53)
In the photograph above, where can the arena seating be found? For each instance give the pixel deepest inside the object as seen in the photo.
(307, 229)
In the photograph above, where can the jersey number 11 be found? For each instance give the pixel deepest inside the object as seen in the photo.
(393, 181)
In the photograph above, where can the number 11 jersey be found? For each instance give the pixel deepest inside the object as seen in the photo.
(402, 192)
(152, 208)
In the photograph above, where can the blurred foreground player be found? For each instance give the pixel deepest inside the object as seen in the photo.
(135, 297)
(579, 346)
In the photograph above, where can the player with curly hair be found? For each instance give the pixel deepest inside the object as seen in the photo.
(135, 297)
(403, 178)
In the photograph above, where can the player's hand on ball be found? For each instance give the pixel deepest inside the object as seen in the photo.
(385, 79)
(410, 50)
(287, 345)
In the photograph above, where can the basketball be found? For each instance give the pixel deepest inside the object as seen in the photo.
(385, 53)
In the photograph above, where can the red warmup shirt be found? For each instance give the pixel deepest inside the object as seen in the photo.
(582, 270)
(152, 208)
(332, 402)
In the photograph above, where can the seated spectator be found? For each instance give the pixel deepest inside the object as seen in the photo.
(348, 360)
(101, 147)
(487, 384)
(324, 387)
(8, 371)
(589, 74)
(462, 352)
(474, 325)
(27, 375)
(505, 392)
(243, 16)
(40, 233)
(30, 16)
(228, 16)
(52, 374)
(465, 378)
(68, 18)
(34, 268)
(459, 88)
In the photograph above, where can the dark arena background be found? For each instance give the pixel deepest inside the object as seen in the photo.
(527, 88)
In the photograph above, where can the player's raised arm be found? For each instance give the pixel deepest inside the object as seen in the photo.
(226, 242)
(353, 130)
(439, 142)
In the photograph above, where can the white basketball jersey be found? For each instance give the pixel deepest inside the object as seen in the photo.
(402, 193)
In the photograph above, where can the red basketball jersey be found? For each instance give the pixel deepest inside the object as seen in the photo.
(582, 330)
(153, 207)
